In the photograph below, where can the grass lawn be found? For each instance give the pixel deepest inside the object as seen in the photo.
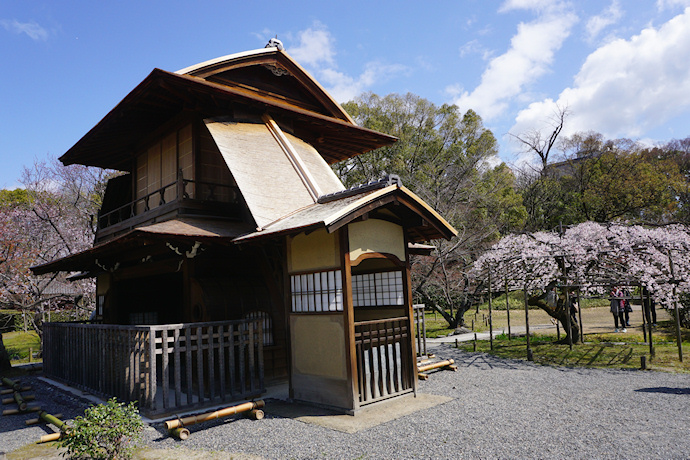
(607, 350)
(18, 345)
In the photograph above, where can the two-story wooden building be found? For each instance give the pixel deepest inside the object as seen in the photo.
(229, 253)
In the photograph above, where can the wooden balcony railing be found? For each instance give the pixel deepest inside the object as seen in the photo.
(385, 365)
(174, 193)
(166, 368)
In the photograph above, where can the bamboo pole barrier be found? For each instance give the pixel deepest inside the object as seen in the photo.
(194, 419)
(256, 414)
(12, 384)
(49, 437)
(54, 419)
(9, 391)
(46, 417)
(447, 363)
(17, 411)
(180, 433)
(20, 400)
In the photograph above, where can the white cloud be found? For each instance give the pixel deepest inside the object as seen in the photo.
(529, 57)
(315, 46)
(625, 87)
(609, 16)
(32, 29)
(538, 5)
(473, 47)
(670, 4)
(316, 50)
(344, 88)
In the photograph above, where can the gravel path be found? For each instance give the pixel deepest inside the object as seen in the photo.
(501, 409)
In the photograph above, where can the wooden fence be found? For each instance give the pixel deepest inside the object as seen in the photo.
(420, 328)
(166, 368)
(385, 365)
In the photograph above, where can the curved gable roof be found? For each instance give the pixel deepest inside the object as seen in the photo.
(273, 73)
(162, 96)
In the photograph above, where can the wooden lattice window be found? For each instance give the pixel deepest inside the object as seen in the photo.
(378, 289)
(317, 292)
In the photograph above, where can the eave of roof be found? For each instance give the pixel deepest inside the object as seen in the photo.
(209, 231)
(163, 95)
(334, 214)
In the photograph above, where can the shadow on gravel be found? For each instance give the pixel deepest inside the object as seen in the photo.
(164, 434)
(481, 360)
(667, 390)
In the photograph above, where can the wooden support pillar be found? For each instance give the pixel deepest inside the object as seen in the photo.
(507, 307)
(579, 315)
(644, 313)
(675, 305)
(567, 317)
(530, 356)
(491, 327)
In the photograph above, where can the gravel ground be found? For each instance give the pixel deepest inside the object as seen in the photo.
(13, 431)
(501, 409)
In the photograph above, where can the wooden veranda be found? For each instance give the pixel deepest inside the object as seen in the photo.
(165, 368)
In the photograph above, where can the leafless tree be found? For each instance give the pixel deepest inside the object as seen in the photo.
(535, 140)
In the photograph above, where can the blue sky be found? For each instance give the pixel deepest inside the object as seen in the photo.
(621, 67)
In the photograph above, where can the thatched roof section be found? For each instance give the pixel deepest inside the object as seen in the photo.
(267, 170)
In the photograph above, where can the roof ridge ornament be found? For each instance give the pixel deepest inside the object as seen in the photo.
(385, 181)
(275, 43)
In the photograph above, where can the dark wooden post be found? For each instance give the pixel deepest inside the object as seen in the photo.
(675, 307)
(579, 315)
(644, 314)
(567, 317)
(491, 327)
(530, 356)
(507, 307)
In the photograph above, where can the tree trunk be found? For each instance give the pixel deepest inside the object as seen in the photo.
(559, 314)
(4, 357)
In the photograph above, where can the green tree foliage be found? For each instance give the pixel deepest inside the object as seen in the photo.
(677, 151)
(108, 431)
(603, 180)
(443, 156)
(14, 198)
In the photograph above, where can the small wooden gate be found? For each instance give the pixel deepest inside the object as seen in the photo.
(385, 365)
(166, 368)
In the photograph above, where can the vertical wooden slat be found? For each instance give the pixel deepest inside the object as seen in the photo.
(188, 363)
(221, 360)
(132, 375)
(176, 370)
(260, 355)
(200, 363)
(164, 368)
(241, 350)
(387, 378)
(231, 358)
(153, 384)
(211, 363)
(137, 357)
(252, 329)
